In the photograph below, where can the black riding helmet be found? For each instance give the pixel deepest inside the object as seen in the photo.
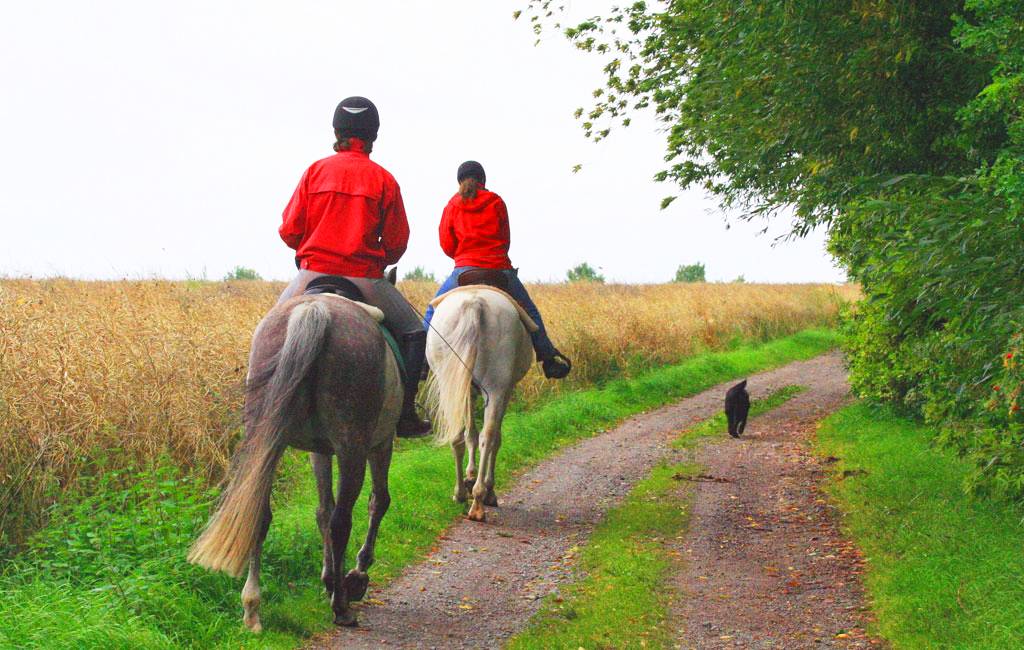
(356, 117)
(471, 169)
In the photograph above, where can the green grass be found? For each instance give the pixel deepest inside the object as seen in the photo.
(623, 601)
(109, 570)
(944, 568)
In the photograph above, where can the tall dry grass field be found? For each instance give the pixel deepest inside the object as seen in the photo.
(98, 375)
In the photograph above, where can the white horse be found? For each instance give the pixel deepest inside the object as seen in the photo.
(479, 342)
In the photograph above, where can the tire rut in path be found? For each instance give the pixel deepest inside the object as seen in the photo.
(484, 581)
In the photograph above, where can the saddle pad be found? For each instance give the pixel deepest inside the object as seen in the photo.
(397, 351)
(523, 316)
(375, 313)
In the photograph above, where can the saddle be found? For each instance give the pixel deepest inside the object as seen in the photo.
(335, 284)
(488, 277)
(525, 318)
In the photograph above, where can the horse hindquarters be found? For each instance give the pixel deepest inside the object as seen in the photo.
(234, 530)
(357, 403)
(477, 337)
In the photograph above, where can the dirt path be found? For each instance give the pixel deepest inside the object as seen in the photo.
(764, 564)
(484, 581)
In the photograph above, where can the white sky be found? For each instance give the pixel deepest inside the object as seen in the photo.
(163, 139)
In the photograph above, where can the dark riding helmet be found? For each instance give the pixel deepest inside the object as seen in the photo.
(356, 117)
(471, 169)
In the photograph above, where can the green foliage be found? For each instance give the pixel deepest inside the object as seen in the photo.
(419, 274)
(110, 571)
(242, 273)
(943, 566)
(995, 439)
(584, 273)
(896, 125)
(739, 279)
(690, 273)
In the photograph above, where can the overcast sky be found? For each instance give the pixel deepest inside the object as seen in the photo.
(163, 139)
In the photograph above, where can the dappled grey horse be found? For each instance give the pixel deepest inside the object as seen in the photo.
(321, 378)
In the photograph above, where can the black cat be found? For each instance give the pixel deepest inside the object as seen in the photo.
(737, 405)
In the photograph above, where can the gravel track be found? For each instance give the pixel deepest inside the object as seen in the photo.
(484, 581)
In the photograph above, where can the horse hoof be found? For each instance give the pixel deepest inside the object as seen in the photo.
(355, 585)
(328, 581)
(254, 624)
(469, 482)
(476, 512)
(491, 499)
(346, 619)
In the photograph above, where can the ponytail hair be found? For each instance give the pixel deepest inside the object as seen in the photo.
(344, 142)
(468, 188)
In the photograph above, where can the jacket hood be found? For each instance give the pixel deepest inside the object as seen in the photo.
(484, 199)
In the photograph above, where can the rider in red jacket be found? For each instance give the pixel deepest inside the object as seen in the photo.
(474, 232)
(346, 218)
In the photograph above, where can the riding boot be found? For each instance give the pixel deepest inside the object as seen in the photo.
(413, 353)
(555, 365)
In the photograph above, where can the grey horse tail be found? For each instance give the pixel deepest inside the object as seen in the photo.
(229, 537)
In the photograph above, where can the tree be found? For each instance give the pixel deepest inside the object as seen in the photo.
(242, 273)
(690, 273)
(584, 273)
(896, 125)
(419, 274)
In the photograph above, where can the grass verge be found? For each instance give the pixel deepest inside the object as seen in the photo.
(944, 567)
(623, 601)
(109, 570)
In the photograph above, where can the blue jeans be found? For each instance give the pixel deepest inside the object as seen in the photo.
(542, 345)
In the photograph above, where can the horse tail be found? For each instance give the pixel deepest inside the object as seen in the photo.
(450, 390)
(228, 540)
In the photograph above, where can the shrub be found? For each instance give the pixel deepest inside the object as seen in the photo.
(690, 273)
(419, 274)
(242, 273)
(584, 273)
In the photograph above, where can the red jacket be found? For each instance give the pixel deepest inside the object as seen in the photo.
(346, 217)
(475, 231)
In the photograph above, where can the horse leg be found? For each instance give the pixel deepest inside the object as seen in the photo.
(490, 442)
(459, 450)
(351, 471)
(357, 579)
(323, 472)
(251, 590)
(472, 440)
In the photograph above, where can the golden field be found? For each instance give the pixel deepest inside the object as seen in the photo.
(131, 371)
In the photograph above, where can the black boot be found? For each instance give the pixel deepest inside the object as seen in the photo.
(413, 353)
(556, 366)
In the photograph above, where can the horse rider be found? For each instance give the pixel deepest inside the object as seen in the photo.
(346, 218)
(474, 232)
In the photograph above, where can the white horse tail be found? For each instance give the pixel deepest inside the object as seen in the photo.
(228, 540)
(450, 390)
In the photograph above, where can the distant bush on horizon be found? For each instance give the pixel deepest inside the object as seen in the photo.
(242, 273)
(690, 273)
(419, 274)
(583, 273)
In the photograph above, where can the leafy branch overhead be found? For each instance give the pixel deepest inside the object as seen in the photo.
(895, 125)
